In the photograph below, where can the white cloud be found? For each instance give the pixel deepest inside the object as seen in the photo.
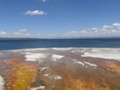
(21, 33)
(44, 0)
(3, 34)
(47, 0)
(22, 30)
(105, 31)
(116, 24)
(35, 12)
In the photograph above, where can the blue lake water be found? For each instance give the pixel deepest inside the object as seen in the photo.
(9, 44)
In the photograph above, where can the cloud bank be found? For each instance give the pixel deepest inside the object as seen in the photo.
(2, 33)
(103, 32)
(22, 33)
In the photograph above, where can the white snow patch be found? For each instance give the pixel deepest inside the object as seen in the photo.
(34, 56)
(55, 57)
(77, 62)
(94, 65)
(37, 88)
(2, 82)
(103, 53)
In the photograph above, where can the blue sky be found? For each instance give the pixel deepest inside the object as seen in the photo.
(59, 18)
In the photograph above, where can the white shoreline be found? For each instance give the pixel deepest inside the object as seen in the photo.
(62, 48)
(111, 54)
(104, 53)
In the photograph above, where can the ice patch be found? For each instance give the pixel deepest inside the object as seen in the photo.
(2, 83)
(103, 53)
(78, 62)
(55, 57)
(37, 88)
(34, 56)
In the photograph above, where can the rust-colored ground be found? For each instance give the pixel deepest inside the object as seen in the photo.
(109, 65)
(23, 75)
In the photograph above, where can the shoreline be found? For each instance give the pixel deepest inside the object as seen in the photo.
(104, 53)
(63, 48)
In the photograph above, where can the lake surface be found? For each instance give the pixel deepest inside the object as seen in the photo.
(9, 44)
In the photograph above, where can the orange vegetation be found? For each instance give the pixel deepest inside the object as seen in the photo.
(22, 76)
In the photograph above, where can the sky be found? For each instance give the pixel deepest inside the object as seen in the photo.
(59, 18)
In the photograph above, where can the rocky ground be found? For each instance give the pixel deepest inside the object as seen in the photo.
(60, 69)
